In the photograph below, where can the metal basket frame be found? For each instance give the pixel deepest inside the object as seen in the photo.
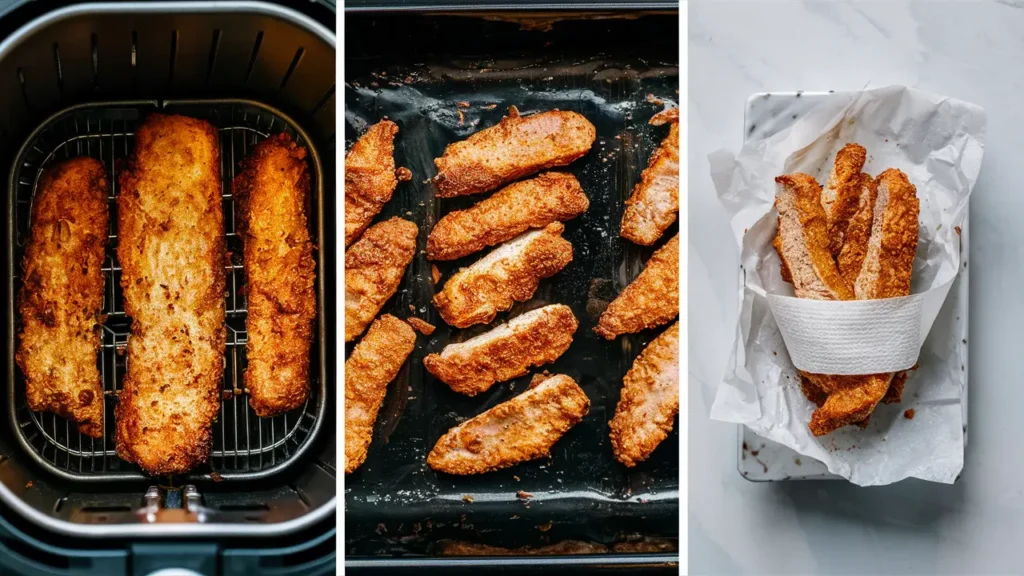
(245, 446)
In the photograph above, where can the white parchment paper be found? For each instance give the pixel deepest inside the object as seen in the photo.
(937, 142)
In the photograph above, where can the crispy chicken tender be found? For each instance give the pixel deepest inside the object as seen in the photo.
(655, 201)
(649, 400)
(517, 146)
(509, 274)
(508, 351)
(534, 203)
(523, 428)
(373, 270)
(802, 240)
(62, 294)
(370, 177)
(850, 257)
(374, 363)
(272, 190)
(841, 197)
(171, 248)
(652, 299)
(885, 273)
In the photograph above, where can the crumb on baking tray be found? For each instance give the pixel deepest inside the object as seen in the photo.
(435, 273)
(909, 414)
(421, 326)
(403, 174)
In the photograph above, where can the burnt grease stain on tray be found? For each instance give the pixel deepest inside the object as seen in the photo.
(605, 70)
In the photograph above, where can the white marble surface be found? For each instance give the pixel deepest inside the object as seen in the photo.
(968, 50)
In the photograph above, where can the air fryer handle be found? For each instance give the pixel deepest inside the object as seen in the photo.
(174, 559)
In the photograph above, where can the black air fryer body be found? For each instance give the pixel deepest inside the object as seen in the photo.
(76, 78)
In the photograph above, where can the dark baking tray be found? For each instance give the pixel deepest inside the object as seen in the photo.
(414, 69)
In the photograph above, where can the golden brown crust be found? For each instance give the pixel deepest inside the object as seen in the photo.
(899, 229)
(374, 363)
(665, 116)
(851, 399)
(895, 393)
(818, 277)
(655, 201)
(171, 249)
(374, 267)
(523, 428)
(272, 190)
(517, 146)
(509, 274)
(649, 400)
(370, 178)
(508, 351)
(564, 548)
(62, 294)
(652, 299)
(850, 257)
(533, 203)
(842, 196)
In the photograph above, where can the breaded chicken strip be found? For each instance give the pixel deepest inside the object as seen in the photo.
(62, 294)
(850, 257)
(802, 240)
(374, 363)
(655, 201)
(508, 351)
(533, 203)
(373, 270)
(369, 177)
(889, 261)
(272, 190)
(509, 274)
(523, 428)
(171, 248)
(649, 400)
(886, 273)
(841, 197)
(652, 299)
(517, 146)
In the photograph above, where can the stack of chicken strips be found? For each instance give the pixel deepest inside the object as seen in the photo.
(171, 248)
(522, 225)
(854, 240)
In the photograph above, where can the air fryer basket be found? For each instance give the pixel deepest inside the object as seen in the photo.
(80, 79)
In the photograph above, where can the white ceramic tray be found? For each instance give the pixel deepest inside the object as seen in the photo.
(760, 459)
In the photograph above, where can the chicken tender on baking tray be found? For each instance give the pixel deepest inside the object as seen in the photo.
(271, 193)
(523, 428)
(171, 248)
(533, 203)
(649, 400)
(374, 267)
(655, 201)
(508, 351)
(517, 146)
(62, 294)
(652, 299)
(370, 178)
(374, 363)
(509, 274)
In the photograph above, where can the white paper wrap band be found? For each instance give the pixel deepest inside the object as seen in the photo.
(856, 337)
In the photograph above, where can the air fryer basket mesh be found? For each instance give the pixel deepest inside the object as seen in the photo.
(244, 445)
